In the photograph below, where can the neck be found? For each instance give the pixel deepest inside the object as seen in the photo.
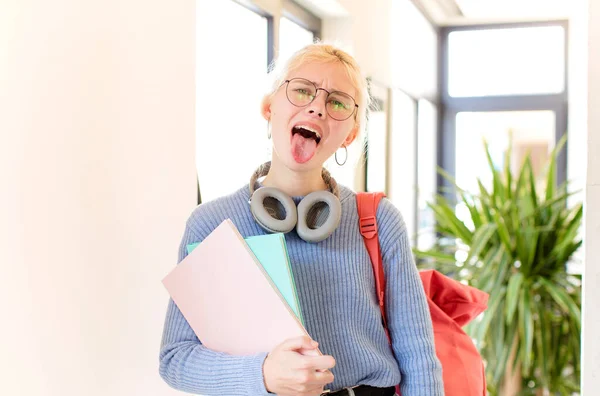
(291, 182)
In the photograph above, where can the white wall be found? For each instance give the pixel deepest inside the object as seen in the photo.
(97, 178)
(366, 34)
(591, 287)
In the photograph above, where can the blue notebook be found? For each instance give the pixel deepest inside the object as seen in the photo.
(271, 251)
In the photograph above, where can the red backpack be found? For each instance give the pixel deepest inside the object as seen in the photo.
(451, 305)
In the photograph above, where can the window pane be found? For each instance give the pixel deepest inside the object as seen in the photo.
(506, 61)
(231, 133)
(532, 131)
(292, 37)
(414, 59)
(427, 174)
(377, 141)
(403, 161)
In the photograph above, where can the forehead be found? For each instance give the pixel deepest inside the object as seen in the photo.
(331, 76)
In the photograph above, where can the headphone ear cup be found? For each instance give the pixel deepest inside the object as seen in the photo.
(262, 216)
(333, 220)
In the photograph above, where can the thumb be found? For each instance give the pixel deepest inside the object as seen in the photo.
(294, 344)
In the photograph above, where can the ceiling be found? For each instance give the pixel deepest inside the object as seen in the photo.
(460, 12)
(478, 11)
(518, 9)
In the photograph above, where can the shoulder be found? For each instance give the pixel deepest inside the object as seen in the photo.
(208, 215)
(391, 226)
(346, 194)
(390, 222)
(389, 215)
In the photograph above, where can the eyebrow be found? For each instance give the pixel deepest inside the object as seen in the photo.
(331, 90)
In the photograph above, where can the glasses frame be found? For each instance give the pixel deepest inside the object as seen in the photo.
(317, 89)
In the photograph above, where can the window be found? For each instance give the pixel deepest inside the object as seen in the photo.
(231, 133)
(532, 131)
(377, 140)
(427, 173)
(497, 78)
(508, 61)
(415, 57)
(292, 37)
(403, 157)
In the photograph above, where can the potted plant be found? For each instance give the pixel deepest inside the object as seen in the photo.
(515, 244)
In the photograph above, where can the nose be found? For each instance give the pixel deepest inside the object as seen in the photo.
(312, 111)
(317, 107)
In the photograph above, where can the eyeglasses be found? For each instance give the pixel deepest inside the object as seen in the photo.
(301, 92)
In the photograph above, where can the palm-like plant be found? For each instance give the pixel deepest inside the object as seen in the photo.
(516, 246)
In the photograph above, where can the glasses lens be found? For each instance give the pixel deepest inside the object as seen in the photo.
(340, 106)
(300, 92)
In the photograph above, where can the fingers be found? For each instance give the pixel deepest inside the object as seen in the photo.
(312, 363)
(288, 371)
(312, 383)
(323, 377)
(294, 344)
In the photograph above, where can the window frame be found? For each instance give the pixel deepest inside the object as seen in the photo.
(451, 106)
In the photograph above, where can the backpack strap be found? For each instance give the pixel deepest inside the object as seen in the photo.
(367, 212)
(367, 203)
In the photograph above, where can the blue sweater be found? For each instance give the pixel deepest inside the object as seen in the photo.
(336, 288)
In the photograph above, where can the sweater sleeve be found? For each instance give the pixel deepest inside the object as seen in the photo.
(409, 320)
(187, 365)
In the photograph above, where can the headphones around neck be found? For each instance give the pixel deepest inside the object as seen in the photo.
(317, 216)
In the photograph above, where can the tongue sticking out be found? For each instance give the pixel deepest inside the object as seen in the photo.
(303, 148)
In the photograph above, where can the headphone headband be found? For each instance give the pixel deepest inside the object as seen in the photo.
(263, 170)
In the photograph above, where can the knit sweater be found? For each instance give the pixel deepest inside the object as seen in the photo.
(336, 288)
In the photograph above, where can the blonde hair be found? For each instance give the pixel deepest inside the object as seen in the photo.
(320, 52)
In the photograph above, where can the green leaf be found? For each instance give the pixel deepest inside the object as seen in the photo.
(446, 215)
(507, 164)
(551, 176)
(526, 324)
(502, 362)
(503, 232)
(531, 179)
(498, 191)
(477, 220)
(521, 185)
(437, 256)
(512, 295)
(493, 303)
(542, 341)
(570, 232)
(565, 301)
(480, 240)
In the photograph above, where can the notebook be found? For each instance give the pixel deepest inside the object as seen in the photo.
(228, 299)
(271, 252)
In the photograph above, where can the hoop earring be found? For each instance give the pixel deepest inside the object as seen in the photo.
(345, 157)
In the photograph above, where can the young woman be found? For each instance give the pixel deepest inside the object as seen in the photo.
(316, 107)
